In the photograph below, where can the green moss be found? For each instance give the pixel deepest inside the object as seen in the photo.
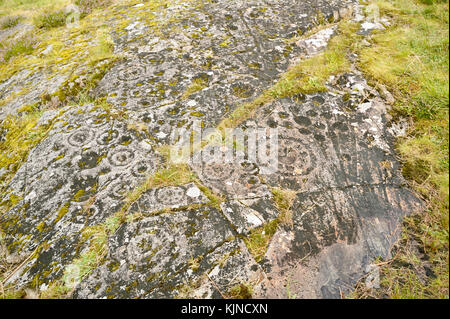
(78, 195)
(9, 203)
(21, 135)
(41, 226)
(22, 46)
(259, 238)
(197, 114)
(100, 158)
(14, 199)
(9, 22)
(87, 6)
(127, 142)
(77, 92)
(197, 85)
(13, 294)
(56, 290)
(90, 259)
(240, 291)
(62, 212)
(321, 18)
(60, 156)
(283, 201)
(420, 86)
(51, 19)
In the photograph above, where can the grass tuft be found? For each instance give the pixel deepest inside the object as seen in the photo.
(22, 46)
(9, 22)
(240, 291)
(87, 6)
(197, 85)
(20, 135)
(259, 238)
(283, 200)
(51, 19)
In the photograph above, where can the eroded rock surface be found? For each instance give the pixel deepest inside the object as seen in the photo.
(335, 153)
(188, 61)
(229, 51)
(158, 257)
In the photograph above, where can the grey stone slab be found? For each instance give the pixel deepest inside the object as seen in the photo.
(157, 256)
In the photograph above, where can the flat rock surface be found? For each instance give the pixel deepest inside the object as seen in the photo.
(188, 61)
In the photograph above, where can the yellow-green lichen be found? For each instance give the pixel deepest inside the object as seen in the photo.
(259, 238)
(62, 212)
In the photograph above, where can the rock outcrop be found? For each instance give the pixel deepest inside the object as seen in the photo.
(176, 63)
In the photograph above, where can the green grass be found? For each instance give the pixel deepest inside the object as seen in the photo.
(411, 59)
(171, 176)
(259, 238)
(51, 19)
(283, 200)
(87, 6)
(29, 9)
(90, 259)
(240, 291)
(22, 46)
(197, 85)
(22, 135)
(45, 13)
(9, 22)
